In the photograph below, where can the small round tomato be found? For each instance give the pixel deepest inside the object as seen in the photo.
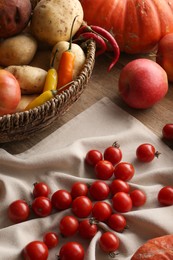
(101, 211)
(18, 211)
(10, 93)
(165, 196)
(35, 250)
(138, 198)
(167, 131)
(41, 189)
(68, 226)
(99, 190)
(122, 202)
(119, 185)
(87, 229)
(61, 199)
(79, 189)
(124, 171)
(117, 222)
(82, 206)
(109, 242)
(113, 154)
(146, 152)
(41, 206)
(93, 157)
(71, 251)
(51, 239)
(104, 170)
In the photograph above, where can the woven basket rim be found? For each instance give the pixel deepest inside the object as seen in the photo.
(11, 124)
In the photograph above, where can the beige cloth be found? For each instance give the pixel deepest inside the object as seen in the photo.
(59, 161)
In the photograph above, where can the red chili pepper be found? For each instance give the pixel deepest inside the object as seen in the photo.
(97, 38)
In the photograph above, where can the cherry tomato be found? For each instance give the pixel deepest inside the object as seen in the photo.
(61, 199)
(51, 239)
(113, 154)
(79, 189)
(167, 131)
(119, 185)
(35, 250)
(41, 189)
(87, 229)
(99, 190)
(165, 196)
(42, 206)
(101, 211)
(10, 93)
(71, 251)
(124, 171)
(104, 170)
(109, 242)
(122, 202)
(93, 157)
(18, 211)
(117, 222)
(68, 226)
(138, 198)
(146, 152)
(82, 206)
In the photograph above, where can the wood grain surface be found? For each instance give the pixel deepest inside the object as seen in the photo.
(104, 84)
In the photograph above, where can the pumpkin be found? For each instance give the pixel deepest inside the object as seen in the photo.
(158, 248)
(137, 25)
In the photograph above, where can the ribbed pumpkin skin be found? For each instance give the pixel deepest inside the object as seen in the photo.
(137, 25)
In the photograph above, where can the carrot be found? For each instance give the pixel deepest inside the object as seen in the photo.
(66, 65)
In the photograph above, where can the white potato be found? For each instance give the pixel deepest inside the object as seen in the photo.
(76, 49)
(31, 79)
(18, 50)
(25, 100)
(52, 20)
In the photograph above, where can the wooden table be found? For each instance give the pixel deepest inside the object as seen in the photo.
(100, 85)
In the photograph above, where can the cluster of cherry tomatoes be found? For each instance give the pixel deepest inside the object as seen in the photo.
(89, 204)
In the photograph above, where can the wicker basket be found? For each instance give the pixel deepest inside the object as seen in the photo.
(21, 125)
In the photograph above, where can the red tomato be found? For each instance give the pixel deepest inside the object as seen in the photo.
(167, 131)
(117, 222)
(42, 206)
(138, 198)
(93, 157)
(146, 152)
(113, 154)
(51, 239)
(119, 185)
(61, 199)
(99, 190)
(82, 207)
(79, 189)
(68, 226)
(122, 202)
(41, 189)
(104, 170)
(101, 211)
(165, 196)
(87, 229)
(124, 171)
(10, 93)
(71, 251)
(35, 250)
(109, 242)
(18, 211)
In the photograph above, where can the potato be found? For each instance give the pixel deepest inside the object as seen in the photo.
(42, 59)
(14, 17)
(25, 100)
(31, 79)
(52, 20)
(76, 49)
(18, 50)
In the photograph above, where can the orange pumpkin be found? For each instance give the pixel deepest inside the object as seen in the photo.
(137, 25)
